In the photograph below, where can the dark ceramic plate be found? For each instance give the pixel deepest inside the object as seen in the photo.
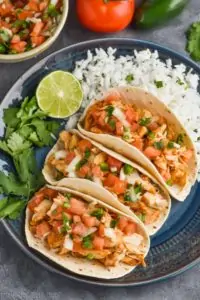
(176, 247)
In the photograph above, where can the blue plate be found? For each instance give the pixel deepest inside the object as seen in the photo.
(176, 247)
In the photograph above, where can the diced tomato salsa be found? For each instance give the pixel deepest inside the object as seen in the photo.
(26, 24)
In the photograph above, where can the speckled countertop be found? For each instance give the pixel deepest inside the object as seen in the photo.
(23, 279)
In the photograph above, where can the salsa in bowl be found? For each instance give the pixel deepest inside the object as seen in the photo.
(28, 27)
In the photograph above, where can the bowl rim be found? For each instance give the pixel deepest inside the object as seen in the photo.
(33, 255)
(33, 52)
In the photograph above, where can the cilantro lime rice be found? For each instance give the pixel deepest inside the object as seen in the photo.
(172, 84)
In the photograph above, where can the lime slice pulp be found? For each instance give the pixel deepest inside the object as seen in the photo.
(59, 94)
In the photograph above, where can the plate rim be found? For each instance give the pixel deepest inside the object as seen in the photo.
(185, 60)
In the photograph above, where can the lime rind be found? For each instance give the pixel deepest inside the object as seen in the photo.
(59, 94)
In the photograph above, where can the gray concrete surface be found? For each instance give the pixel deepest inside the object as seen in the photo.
(20, 277)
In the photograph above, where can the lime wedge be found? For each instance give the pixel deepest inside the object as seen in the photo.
(59, 94)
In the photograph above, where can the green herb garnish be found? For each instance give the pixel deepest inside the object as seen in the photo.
(159, 84)
(138, 189)
(66, 223)
(90, 256)
(52, 10)
(180, 139)
(169, 182)
(112, 124)
(170, 145)
(113, 223)
(66, 204)
(142, 217)
(81, 163)
(159, 145)
(87, 153)
(145, 121)
(129, 78)
(68, 195)
(98, 213)
(151, 135)
(128, 169)
(193, 38)
(87, 242)
(179, 81)
(109, 109)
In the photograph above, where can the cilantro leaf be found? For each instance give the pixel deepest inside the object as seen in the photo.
(16, 143)
(4, 147)
(10, 116)
(12, 208)
(11, 185)
(87, 242)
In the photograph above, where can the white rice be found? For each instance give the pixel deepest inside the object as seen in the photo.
(103, 70)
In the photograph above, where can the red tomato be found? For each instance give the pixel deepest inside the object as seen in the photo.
(114, 163)
(105, 15)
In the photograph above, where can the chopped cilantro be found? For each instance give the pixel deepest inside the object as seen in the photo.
(81, 163)
(170, 145)
(98, 213)
(129, 78)
(66, 223)
(138, 189)
(112, 124)
(90, 256)
(151, 135)
(113, 223)
(142, 217)
(66, 204)
(159, 84)
(87, 153)
(169, 182)
(87, 242)
(68, 195)
(109, 109)
(159, 145)
(193, 38)
(52, 11)
(128, 169)
(180, 139)
(179, 81)
(144, 121)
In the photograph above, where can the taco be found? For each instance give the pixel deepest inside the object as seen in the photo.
(83, 234)
(138, 125)
(93, 169)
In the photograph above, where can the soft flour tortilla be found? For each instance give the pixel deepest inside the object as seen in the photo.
(143, 99)
(80, 265)
(99, 192)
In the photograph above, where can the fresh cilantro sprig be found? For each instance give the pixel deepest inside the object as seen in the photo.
(26, 126)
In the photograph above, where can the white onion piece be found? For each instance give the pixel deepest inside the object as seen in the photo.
(113, 169)
(90, 231)
(132, 178)
(71, 167)
(120, 116)
(68, 243)
(60, 154)
(122, 175)
(135, 239)
(110, 233)
(97, 180)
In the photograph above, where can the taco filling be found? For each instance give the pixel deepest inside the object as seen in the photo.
(67, 224)
(76, 157)
(149, 133)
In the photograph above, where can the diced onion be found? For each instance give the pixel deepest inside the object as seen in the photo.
(110, 233)
(120, 116)
(113, 169)
(72, 175)
(71, 167)
(135, 239)
(177, 146)
(68, 243)
(90, 231)
(60, 154)
(132, 178)
(53, 207)
(122, 175)
(97, 180)
(54, 2)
